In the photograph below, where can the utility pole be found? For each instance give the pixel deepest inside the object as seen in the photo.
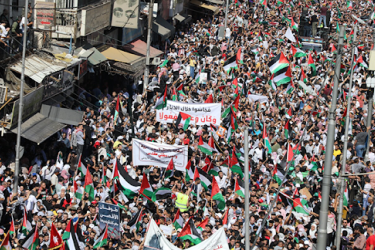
(20, 108)
(247, 192)
(323, 215)
(369, 110)
(347, 122)
(147, 68)
(226, 15)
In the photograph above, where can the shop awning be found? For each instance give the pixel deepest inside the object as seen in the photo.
(118, 55)
(212, 8)
(162, 27)
(92, 55)
(38, 128)
(216, 2)
(62, 115)
(139, 47)
(38, 68)
(182, 18)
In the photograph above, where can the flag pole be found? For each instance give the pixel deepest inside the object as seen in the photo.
(347, 122)
(326, 189)
(247, 194)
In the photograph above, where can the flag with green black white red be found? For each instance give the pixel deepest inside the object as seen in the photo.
(190, 233)
(361, 62)
(204, 147)
(278, 175)
(103, 239)
(201, 226)
(129, 186)
(183, 119)
(278, 62)
(267, 143)
(230, 64)
(239, 56)
(303, 76)
(70, 237)
(136, 221)
(299, 206)
(205, 178)
(286, 129)
(311, 63)
(146, 189)
(117, 111)
(12, 229)
(294, 25)
(170, 170)
(255, 50)
(189, 172)
(283, 76)
(89, 186)
(297, 52)
(6, 245)
(174, 94)
(162, 193)
(239, 187)
(217, 196)
(31, 242)
(161, 103)
(271, 82)
(178, 221)
(235, 166)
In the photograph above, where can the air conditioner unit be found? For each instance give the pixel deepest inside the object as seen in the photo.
(3, 94)
(156, 61)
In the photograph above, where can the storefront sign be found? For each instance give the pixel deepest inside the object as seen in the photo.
(45, 15)
(125, 14)
(95, 18)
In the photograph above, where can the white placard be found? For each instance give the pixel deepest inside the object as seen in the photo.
(156, 154)
(166, 230)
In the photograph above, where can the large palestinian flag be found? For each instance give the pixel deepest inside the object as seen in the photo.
(278, 62)
(190, 233)
(129, 186)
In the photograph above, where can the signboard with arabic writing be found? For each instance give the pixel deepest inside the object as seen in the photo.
(201, 113)
(109, 214)
(157, 154)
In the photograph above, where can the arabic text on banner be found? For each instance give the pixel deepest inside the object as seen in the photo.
(201, 113)
(110, 214)
(157, 154)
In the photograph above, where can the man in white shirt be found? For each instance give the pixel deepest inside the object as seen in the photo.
(221, 180)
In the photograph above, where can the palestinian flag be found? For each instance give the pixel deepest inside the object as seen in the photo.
(313, 166)
(70, 237)
(183, 119)
(255, 50)
(311, 63)
(89, 186)
(361, 62)
(339, 15)
(235, 165)
(128, 185)
(298, 52)
(81, 167)
(333, 48)
(32, 240)
(278, 175)
(55, 241)
(303, 76)
(26, 226)
(161, 103)
(146, 189)
(294, 25)
(279, 2)
(349, 5)
(286, 129)
(189, 172)
(162, 193)
(209, 99)
(299, 206)
(267, 143)
(289, 113)
(204, 147)
(190, 233)
(201, 226)
(103, 239)
(117, 110)
(271, 82)
(278, 62)
(229, 135)
(361, 46)
(235, 83)
(239, 56)
(226, 162)
(302, 175)
(230, 64)
(78, 191)
(205, 178)
(135, 222)
(289, 153)
(233, 121)
(264, 3)
(174, 94)
(217, 196)
(170, 170)
(178, 221)
(104, 181)
(283, 76)
(260, 37)
(12, 229)
(5, 245)
(290, 88)
(239, 187)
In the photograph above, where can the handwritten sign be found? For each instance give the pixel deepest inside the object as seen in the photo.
(201, 113)
(156, 154)
(109, 214)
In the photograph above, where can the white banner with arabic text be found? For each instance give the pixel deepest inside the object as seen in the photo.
(150, 153)
(201, 113)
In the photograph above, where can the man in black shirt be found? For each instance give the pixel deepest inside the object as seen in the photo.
(314, 24)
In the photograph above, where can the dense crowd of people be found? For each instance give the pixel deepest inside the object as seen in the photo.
(277, 89)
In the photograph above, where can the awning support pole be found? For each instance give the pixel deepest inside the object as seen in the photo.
(147, 68)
